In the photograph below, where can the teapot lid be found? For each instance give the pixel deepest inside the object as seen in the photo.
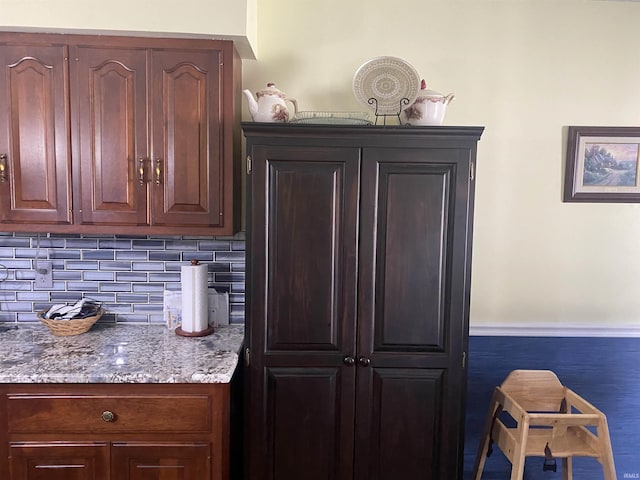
(424, 92)
(271, 90)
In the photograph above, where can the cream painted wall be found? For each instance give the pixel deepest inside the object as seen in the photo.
(231, 19)
(524, 69)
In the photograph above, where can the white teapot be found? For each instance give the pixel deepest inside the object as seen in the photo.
(428, 109)
(270, 105)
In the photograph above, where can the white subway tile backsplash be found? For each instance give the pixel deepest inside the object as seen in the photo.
(128, 274)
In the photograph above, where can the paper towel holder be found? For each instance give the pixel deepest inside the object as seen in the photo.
(202, 333)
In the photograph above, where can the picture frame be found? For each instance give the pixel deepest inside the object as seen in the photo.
(602, 164)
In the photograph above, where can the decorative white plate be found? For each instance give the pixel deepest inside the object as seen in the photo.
(390, 82)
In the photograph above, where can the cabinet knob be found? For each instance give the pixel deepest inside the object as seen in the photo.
(349, 360)
(108, 416)
(3, 167)
(364, 361)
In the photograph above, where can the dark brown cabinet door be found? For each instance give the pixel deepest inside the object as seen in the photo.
(59, 461)
(187, 158)
(411, 327)
(304, 235)
(358, 271)
(110, 95)
(35, 162)
(160, 461)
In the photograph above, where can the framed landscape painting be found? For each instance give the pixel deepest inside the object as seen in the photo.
(602, 164)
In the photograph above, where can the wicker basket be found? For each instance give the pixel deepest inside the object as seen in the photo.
(67, 328)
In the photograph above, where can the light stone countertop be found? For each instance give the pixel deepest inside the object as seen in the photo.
(116, 353)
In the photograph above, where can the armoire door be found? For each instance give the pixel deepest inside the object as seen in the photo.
(302, 267)
(187, 157)
(35, 161)
(110, 111)
(412, 320)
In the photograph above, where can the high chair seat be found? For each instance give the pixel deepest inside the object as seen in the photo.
(551, 422)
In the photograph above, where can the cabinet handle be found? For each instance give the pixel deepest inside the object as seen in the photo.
(158, 170)
(141, 171)
(364, 361)
(349, 360)
(108, 416)
(3, 167)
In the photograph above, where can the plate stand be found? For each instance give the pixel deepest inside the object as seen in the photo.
(374, 101)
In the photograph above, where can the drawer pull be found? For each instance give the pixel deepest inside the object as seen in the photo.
(141, 175)
(108, 416)
(158, 171)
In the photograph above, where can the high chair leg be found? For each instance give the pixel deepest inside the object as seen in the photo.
(567, 468)
(481, 456)
(606, 453)
(520, 450)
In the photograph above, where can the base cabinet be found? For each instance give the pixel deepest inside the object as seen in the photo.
(115, 432)
(358, 273)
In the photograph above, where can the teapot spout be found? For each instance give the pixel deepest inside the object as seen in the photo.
(252, 103)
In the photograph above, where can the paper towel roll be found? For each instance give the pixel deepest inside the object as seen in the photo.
(195, 300)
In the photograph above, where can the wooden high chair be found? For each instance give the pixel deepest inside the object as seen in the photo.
(551, 422)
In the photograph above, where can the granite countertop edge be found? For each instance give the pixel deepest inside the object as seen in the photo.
(116, 353)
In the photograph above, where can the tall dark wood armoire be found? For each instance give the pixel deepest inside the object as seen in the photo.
(358, 287)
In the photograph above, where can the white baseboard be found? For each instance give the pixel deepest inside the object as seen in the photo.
(553, 330)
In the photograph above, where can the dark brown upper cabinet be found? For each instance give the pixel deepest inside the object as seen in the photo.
(119, 134)
(358, 288)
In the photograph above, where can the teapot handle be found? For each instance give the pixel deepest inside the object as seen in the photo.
(448, 98)
(295, 104)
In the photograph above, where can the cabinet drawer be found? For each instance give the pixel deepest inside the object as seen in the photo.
(106, 413)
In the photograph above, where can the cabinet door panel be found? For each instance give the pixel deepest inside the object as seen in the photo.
(413, 211)
(307, 202)
(306, 435)
(187, 168)
(110, 92)
(160, 461)
(59, 461)
(407, 436)
(413, 254)
(34, 127)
